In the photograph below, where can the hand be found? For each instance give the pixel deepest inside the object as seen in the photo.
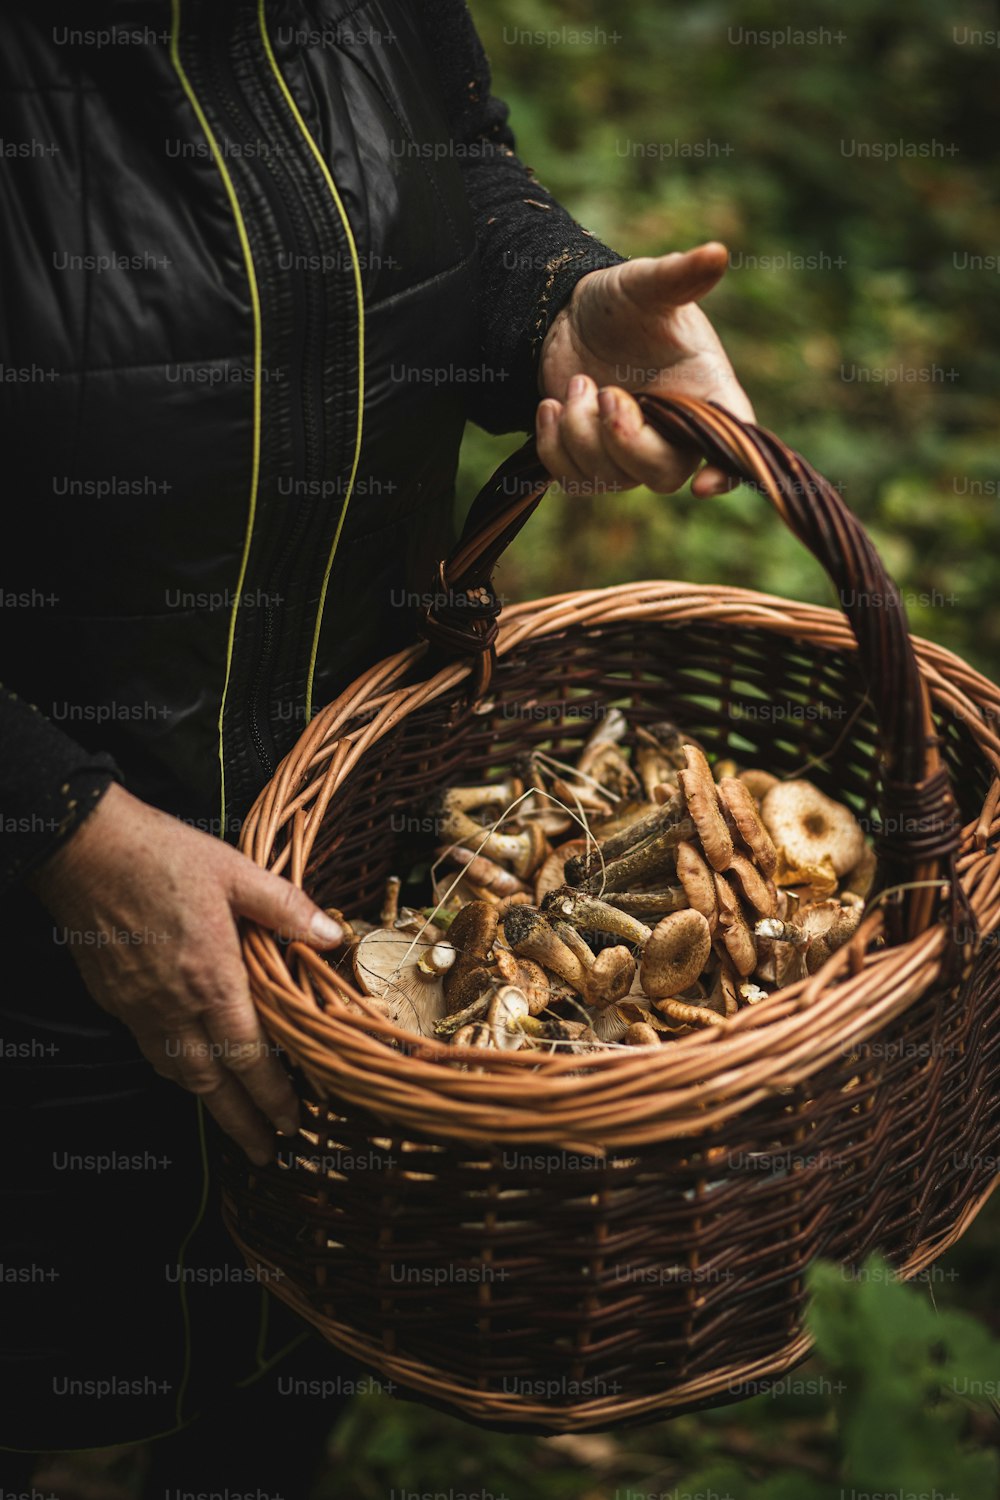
(635, 326)
(158, 901)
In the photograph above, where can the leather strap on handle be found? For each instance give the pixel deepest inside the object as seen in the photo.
(920, 820)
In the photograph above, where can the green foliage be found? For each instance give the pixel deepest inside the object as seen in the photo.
(867, 270)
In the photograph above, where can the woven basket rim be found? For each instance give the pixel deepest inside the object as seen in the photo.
(643, 1095)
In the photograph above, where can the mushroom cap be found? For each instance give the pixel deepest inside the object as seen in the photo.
(640, 1034)
(760, 893)
(737, 938)
(810, 826)
(675, 953)
(530, 978)
(385, 966)
(698, 882)
(552, 872)
(860, 878)
(741, 808)
(472, 935)
(704, 808)
(610, 977)
(757, 782)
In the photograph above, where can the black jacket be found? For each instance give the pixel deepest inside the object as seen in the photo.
(261, 259)
(258, 269)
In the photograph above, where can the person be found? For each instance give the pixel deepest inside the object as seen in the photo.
(262, 261)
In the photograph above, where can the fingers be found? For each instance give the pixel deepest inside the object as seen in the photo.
(634, 446)
(281, 906)
(570, 438)
(192, 1060)
(675, 279)
(241, 1046)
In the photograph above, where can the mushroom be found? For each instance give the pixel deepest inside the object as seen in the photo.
(482, 870)
(726, 767)
(524, 850)
(385, 966)
(462, 799)
(580, 909)
(843, 927)
(723, 994)
(610, 977)
(860, 878)
(742, 812)
(815, 882)
(675, 954)
(472, 935)
(609, 768)
(530, 978)
(751, 994)
(507, 1009)
(698, 883)
(436, 960)
(530, 936)
(649, 904)
(758, 783)
(610, 730)
(638, 830)
(553, 872)
(581, 797)
(760, 893)
(650, 859)
(690, 1015)
(640, 1034)
(703, 805)
(736, 936)
(390, 901)
(809, 827)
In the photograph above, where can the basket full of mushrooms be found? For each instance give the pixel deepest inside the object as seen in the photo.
(671, 968)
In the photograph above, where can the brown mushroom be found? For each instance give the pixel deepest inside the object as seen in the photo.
(640, 1034)
(758, 783)
(736, 936)
(552, 872)
(472, 934)
(742, 811)
(809, 827)
(531, 936)
(860, 878)
(698, 882)
(482, 870)
(758, 892)
(580, 909)
(524, 850)
(675, 953)
(703, 805)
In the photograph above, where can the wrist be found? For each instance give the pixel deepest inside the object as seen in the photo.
(63, 869)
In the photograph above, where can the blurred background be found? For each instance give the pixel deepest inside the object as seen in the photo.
(674, 124)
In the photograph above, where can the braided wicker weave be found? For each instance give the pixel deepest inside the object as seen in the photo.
(568, 1242)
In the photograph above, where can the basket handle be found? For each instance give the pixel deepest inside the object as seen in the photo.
(919, 816)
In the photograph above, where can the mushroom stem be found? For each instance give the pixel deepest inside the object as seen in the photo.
(483, 871)
(390, 901)
(649, 903)
(581, 909)
(655, 856)
(637, 832)
(781, 932)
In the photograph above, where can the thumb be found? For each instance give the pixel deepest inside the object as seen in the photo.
(674, 279)
(274, 902)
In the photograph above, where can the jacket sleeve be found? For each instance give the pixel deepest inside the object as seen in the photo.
(48, 786)
(532, 252)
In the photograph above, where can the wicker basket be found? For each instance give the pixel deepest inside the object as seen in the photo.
(574, 1242)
